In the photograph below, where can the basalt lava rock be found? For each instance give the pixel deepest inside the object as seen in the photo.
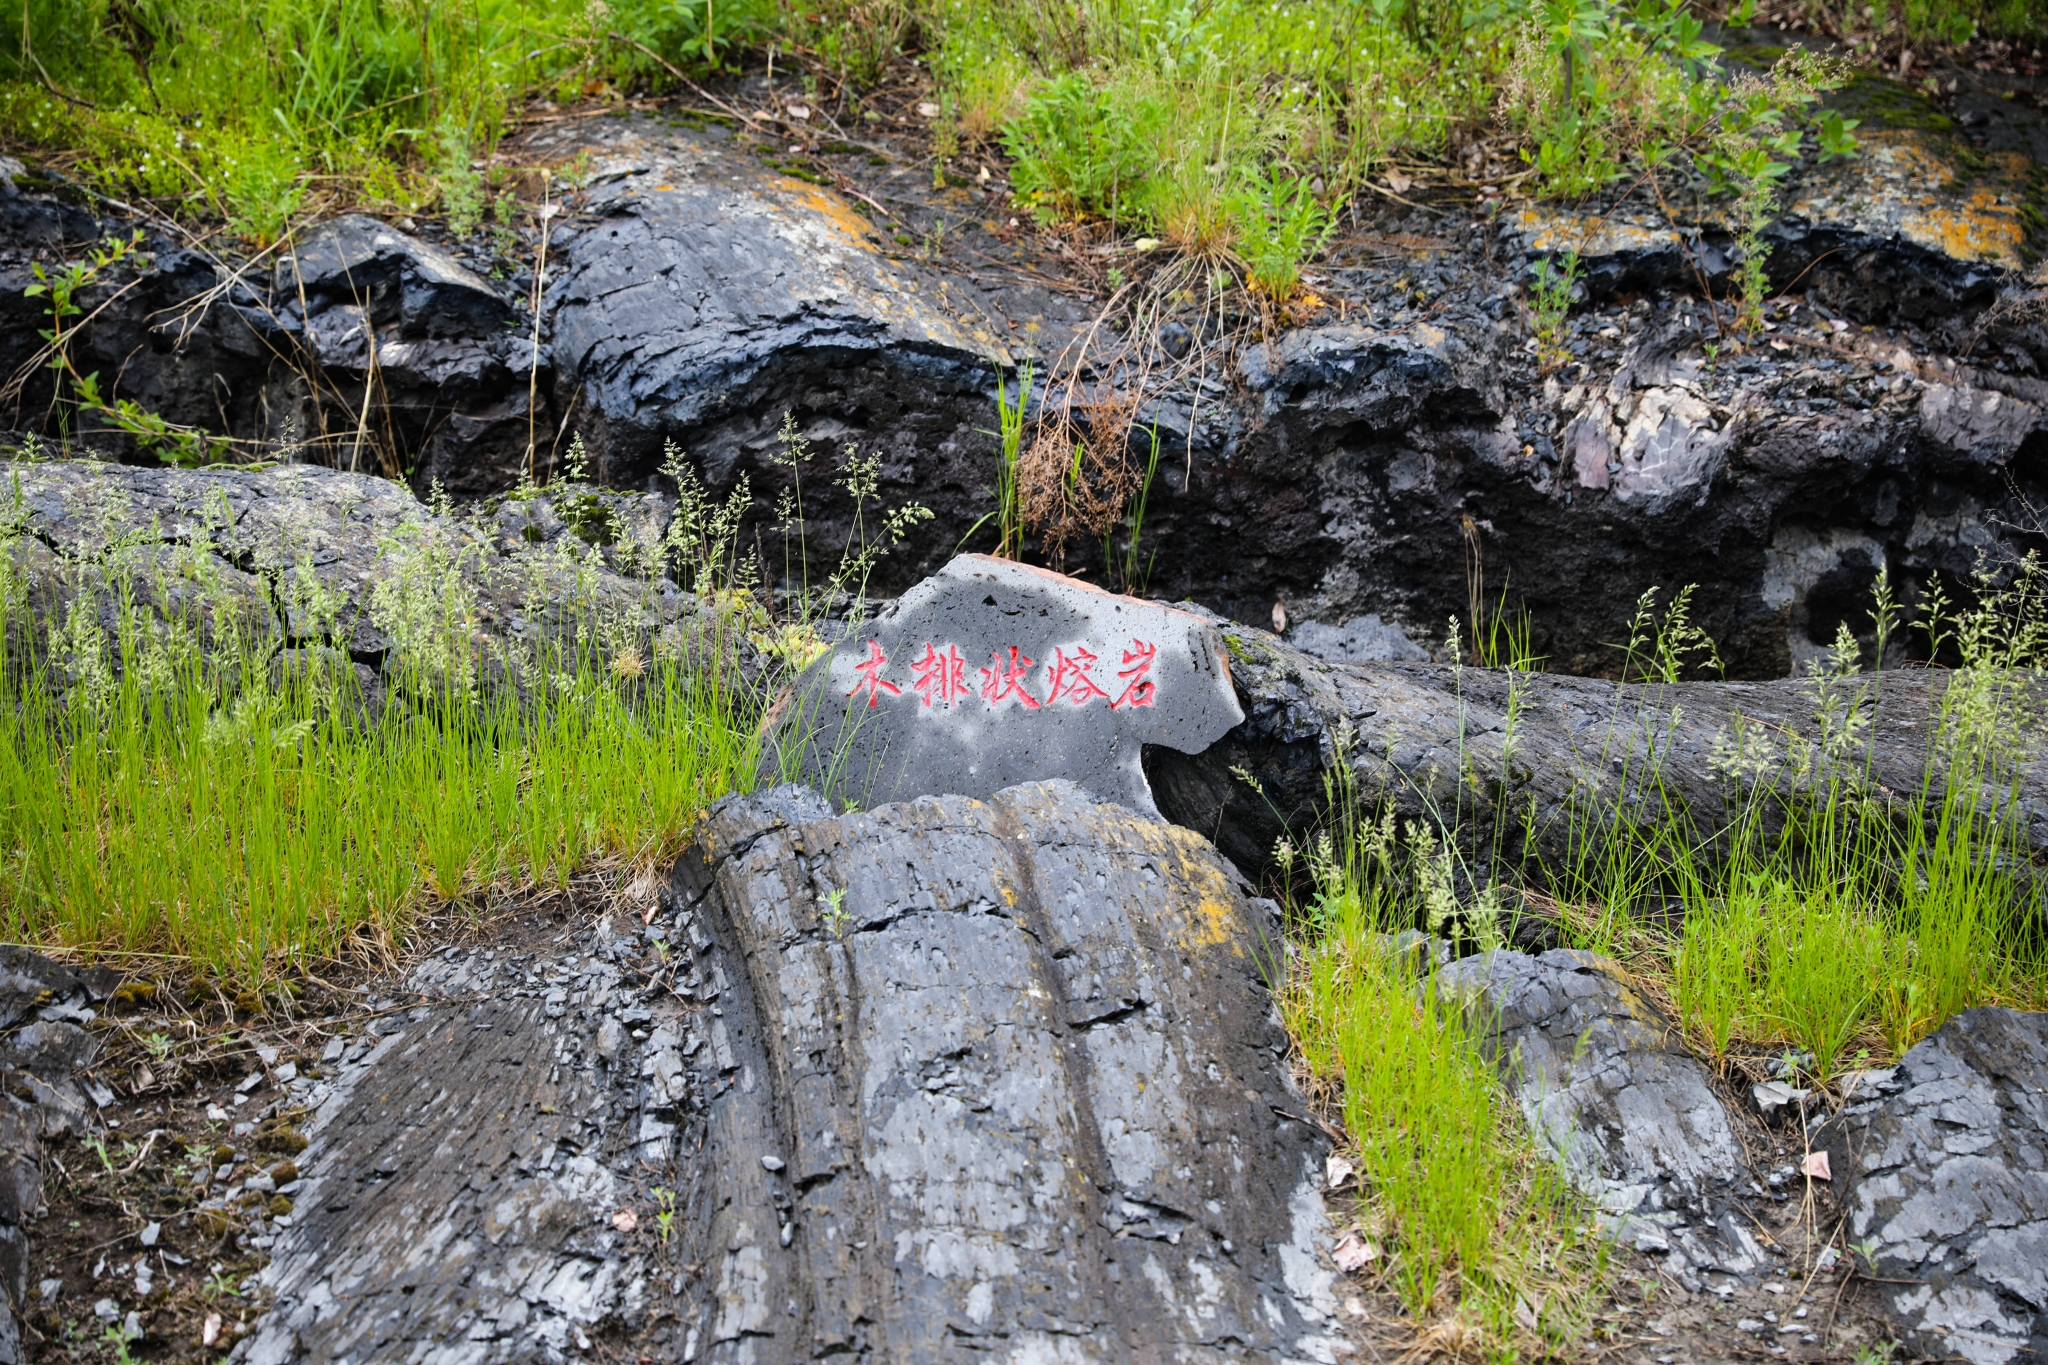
(1400, 456)
(995, 1080)
(1440, 741)
(464, 1167)
(1076, 682)
(40, 1096)
(1942, 1164)
(1612, 1093)
(292, 561)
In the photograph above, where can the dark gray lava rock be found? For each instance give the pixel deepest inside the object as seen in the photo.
(702, 296)
(1945, 1170)
(28, 981)
(1363, 639)
(358, 261)
(991, 673)
(21, 1193)
(295, 558)
(1610, 1089)
(993, 1080)
(1551, 747)
(1915, 226)
(38, 1097)
(49, 1048)
(464, 1170)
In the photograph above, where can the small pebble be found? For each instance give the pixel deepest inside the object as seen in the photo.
(773, 1163)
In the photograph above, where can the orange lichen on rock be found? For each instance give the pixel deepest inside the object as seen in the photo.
(1903, 184)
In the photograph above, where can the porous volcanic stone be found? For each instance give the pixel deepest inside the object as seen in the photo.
(995, 1081)
(1945, 1169)
(992, 673)
(1611, 1091)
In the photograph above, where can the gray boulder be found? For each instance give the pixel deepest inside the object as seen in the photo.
(1611, 1092)
(945, 1080)
(993, 1079)
(1942, 1164)
(991, 673)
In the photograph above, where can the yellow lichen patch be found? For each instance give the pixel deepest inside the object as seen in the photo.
(1900, 185)
(1212, 920)
(858, 231)
(1589, 235)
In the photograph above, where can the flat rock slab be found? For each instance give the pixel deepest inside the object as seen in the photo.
(1944, 1166)
(994, 1081)
(991, 673)
(465, 1164)
(1610, 1090)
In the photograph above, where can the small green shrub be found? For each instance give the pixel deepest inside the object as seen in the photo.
(1079, 148)
(1280, 226)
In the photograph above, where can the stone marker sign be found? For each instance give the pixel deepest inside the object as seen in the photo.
(991, 673)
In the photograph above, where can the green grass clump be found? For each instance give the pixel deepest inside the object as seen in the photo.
(171, 782)
(175, 779)
(256, 113)
(1481, 1234)
(1815, 908)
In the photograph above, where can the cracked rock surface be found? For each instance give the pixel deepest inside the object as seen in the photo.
(995, 1080)
(465, 1162)
(1944, 1166)
(1628, 1113)
(1539, 742)
(42, 1048)
(947, 1080)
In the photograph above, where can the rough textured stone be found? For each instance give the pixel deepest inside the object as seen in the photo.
(293, 558)
(1943, 1164)
(992, 673)
(21, 1193)
(462, 1174)
(1352, 467)
(1423, 734)
(49, 1048)
(1610, 1089)
(1914, 226)
(360, 262)
(39, 1097)
(1024, 1090)
(28, 980)
(701, 295)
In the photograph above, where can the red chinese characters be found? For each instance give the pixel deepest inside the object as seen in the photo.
(871, 679)
(1070, 680)
(1006, 679)
(1139, 689)
(941, 678)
